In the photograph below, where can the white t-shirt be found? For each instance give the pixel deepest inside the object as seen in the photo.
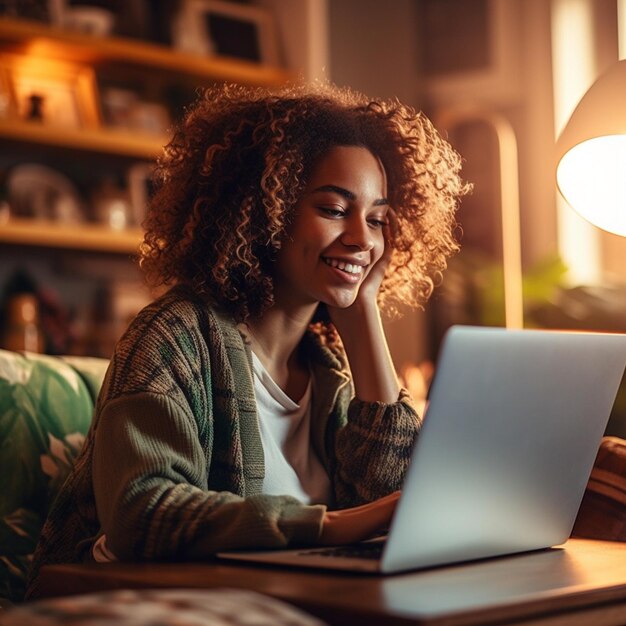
(292, 467)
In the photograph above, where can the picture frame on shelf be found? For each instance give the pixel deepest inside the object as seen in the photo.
(215, 27)
(50, 92)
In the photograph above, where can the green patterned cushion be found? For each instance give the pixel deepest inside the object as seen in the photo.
(46, 406)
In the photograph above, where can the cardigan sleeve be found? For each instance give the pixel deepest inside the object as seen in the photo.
(150, 485)
(373, 449)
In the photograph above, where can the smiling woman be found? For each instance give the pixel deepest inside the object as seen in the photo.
(245, 157)
(255, 404)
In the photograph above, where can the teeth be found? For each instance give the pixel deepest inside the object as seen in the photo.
(350, 268)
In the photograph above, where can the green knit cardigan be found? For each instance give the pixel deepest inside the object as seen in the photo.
(173, 465)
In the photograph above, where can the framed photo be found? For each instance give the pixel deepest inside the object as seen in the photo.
(215, 27)
(52, 92)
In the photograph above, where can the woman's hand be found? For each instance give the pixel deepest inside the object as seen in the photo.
(369, 288)
(368, 291)
(358, 523)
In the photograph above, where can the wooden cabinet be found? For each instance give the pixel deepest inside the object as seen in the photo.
(88, 151)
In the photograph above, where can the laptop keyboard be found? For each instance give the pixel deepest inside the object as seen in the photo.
(362, 551)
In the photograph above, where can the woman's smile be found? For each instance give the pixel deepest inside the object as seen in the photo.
(347, 270)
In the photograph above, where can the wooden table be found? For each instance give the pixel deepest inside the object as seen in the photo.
(582, 582)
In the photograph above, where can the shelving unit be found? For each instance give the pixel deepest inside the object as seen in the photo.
(87, 264)
(98, 140)
(115, 55)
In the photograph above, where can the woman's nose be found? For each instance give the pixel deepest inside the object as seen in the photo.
(357, 233)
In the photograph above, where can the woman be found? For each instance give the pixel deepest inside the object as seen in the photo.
(255, 403)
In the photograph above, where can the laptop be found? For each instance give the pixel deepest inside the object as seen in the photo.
(510, 435)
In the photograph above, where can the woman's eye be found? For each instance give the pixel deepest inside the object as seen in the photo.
(378, 223)
(332, 211)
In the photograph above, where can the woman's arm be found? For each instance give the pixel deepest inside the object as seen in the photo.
(361, 331)
(150, 485)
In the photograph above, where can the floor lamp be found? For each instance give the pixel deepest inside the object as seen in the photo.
(509, 201)
(591, 153)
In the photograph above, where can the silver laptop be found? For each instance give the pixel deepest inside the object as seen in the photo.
(510, 435)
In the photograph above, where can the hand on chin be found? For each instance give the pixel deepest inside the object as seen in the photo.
(352, 309)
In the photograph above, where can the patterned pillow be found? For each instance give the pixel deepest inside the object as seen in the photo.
(45, 411)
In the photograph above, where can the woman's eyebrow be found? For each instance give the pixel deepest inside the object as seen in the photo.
(347, 194)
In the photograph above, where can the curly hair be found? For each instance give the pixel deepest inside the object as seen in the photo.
(227, 183)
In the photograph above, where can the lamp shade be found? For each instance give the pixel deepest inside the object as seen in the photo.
(591, 153)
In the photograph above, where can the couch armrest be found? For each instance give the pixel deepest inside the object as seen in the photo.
(46, 407)
(602, 514)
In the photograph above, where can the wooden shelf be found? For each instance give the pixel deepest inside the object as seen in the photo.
(112, 55)
(22, 36)
(89, 237)
(101, 140)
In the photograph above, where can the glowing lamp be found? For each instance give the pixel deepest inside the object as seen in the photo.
(591, 153)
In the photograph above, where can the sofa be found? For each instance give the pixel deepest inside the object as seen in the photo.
(46, 406)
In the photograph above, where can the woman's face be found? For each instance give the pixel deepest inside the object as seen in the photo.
(336, 235)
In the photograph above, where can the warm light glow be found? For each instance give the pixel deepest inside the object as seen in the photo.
(591, 178)
(573, 47)
(621, 28)
(51, 91)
